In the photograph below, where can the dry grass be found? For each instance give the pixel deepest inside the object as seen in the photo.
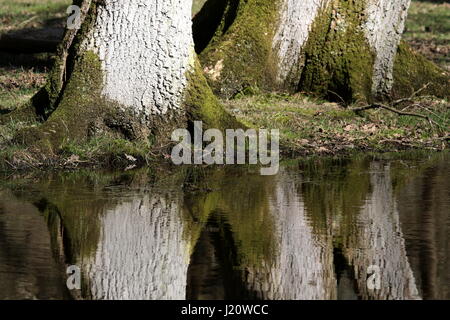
(309, 126)
(428, 31)
(19, 14)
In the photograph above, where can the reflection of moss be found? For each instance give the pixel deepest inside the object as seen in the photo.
(334, 191)
(241, 202)
(73, 203)
(405, 167)
(248, 213)
(196, 212)
(74, 231)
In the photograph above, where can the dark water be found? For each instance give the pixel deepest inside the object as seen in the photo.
(361, 228)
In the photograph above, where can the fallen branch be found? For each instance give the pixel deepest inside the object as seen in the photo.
(400, 113)
(411, 98)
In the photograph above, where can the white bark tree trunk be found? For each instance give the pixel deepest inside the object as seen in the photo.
(131, 71)
(340, 42)
(296, 18)
(383, 28)
(145, 48)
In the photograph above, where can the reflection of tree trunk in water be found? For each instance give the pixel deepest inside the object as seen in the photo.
(204, 279)
(142, 253)
(424, 208)
(27, 270)
(428, 256)
(379, 242)
(213, 272)
(302, 268)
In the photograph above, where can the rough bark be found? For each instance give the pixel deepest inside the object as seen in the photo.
(129, 71)
(342, 50)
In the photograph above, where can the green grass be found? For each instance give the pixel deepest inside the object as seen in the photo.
(18, 84)
(428, 30)
(18, 14)
(22, 75)
(197, 5)
(309, 126)
(428, 20)
(107, 151)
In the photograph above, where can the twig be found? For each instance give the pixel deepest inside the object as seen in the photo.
(400, 113)
(337, 95)
(24, 23)
(413, 95)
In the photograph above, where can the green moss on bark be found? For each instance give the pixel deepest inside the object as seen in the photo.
(413, 72)
(202, 104)
(240, 55)
(79, 103)
(47, 99)
(338, 62)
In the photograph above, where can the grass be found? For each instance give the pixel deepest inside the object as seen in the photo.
(197, 5)
(428, 30)
(309, 126)
(22, 75)
(18, 84)
(19, 14)
(103, 151)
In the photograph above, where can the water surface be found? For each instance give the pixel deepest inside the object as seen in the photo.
(318, 230)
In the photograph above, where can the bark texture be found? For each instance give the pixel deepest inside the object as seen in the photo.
(384, 28)
(296, 19)
(145, 49)
(135, 245)
(342, 50)
(129, 71)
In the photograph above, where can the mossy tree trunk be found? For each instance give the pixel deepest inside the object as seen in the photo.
(130, 70)
(339, 49)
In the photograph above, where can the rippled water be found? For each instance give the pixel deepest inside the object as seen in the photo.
(360, 228)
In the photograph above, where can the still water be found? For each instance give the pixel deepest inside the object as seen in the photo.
(362, 228)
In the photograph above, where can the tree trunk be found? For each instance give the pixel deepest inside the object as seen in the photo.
(342, 50)
(130, 70)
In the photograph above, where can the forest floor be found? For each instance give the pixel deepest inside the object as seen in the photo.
(307, 125)
(310, 126)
